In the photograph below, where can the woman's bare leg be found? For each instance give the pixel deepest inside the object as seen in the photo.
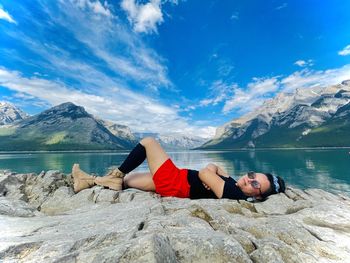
(142, 181)
(156, 155)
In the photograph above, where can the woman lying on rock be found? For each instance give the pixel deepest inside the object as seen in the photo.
(168, 180)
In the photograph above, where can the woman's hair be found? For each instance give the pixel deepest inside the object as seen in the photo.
(277, 185)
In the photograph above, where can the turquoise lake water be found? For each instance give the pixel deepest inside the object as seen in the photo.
(328, 169)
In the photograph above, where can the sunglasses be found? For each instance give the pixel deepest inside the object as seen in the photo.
(255, 184)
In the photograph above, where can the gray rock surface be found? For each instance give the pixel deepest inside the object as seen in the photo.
(42, 220)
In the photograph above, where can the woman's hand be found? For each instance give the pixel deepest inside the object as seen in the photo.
(217, 169)
(222, 172)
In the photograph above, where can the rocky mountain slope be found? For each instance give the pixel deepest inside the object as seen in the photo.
(42, 220)
(307, 118)
(63, 127)
(10, 113)
(118, 130)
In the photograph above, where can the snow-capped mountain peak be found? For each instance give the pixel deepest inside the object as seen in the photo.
(10, 113)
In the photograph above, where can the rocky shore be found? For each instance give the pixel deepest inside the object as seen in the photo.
(42, 220)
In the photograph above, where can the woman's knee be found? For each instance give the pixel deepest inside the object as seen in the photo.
(142, 181)
(128, 180)
(147, 140)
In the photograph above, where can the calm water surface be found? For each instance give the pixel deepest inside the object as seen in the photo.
(328, 169)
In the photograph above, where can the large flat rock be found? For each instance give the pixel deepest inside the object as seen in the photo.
(42, 220)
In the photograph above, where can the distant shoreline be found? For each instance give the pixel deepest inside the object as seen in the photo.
(181, 150)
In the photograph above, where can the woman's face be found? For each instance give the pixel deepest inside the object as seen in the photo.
(245, 184)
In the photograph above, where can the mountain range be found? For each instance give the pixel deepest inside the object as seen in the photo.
(313, 117)
(69, 127)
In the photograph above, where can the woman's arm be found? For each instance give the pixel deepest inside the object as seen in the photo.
(217, 169)
(212, 180)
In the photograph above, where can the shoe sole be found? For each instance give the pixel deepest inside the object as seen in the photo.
(111, 184)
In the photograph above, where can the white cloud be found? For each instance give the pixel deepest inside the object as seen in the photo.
(23, 96)
(246, 99)
(95, 6)
(206, 131)
(109, 40)
(345, 51)
(175, 2)
(235, 16)
(225, 70)
(144, 17)
(300, 63)
(117, 104)
(241, 99)
(261, 86)
(303, 63)
(4, 15)
(308, 78)
(219, 91)
(284, 5)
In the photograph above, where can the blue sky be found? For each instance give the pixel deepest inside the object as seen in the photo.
(169, 66)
